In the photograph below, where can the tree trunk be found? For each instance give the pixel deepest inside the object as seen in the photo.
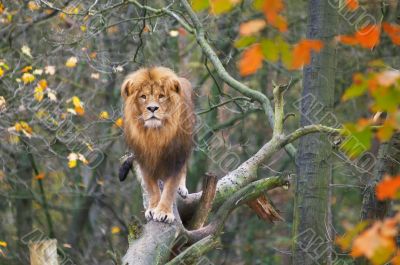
(311, 225)
(388, 162)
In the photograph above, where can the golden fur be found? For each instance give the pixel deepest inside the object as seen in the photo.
(158, 122)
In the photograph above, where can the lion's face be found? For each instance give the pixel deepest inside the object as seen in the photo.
(153, 103)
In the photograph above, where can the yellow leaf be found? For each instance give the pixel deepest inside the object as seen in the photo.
(115, 230)
(3, 244)
(28, 78)
(1, 8)
(1, 72)
(221, 6)
(119, 122)
(26, 69)
(17, 127)
(71, 62)
(14, 139)
(38, 94)
(76, 101)
(104, 115)
(72, 163)
(42, 84)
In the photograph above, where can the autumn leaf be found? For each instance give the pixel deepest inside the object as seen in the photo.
(219, 7)
(1, 8)
(1, 72)
(271, 9)
(115, 230)
(347, 40)
(386, 131)
(71, 62)
(388, 78)
(3, 244)
(368, 36)
(72, 160)
(28, 78)
(251, 60)
(40, 176)
(345, 241)
(38, 94)
(104, 115)
(50, 70)
(245, 41)
(251, 27)
(377, 243)
(119, 122)
(200, 5)
(78, 106)
(302, 52)
(388, 188)
(42, 84)
(26, 50)
(393, 31)
(33, 6)
(352, 5)
(26, 69)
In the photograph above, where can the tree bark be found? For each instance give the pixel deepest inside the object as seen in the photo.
(311, 225)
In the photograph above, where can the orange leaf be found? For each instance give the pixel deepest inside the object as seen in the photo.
(272, 8)
(251, 60)
(368, 36)
(377, 243)
(348, 40)
(251, 27)
(387, 188)
(393, 30)
(302, 52)
(352, 5)
(40, 176)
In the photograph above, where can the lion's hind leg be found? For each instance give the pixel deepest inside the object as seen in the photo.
(182, 190)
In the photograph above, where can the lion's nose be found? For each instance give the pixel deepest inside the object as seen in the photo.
(152, 108)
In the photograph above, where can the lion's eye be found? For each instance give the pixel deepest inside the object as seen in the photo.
(143, 96)
(161, 96)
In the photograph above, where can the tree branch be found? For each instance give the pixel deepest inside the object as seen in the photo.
(207, 197)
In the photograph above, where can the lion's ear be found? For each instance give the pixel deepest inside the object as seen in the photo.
(125, 88)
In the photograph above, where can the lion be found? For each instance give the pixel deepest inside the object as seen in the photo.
(158, 126)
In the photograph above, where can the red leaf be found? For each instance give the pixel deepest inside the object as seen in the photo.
(251, 60)
(348, 40)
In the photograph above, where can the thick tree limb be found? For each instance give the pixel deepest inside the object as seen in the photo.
(207, 197)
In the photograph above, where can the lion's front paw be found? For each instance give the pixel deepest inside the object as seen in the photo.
(163, 216)
(149, 214)
(183, 191)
